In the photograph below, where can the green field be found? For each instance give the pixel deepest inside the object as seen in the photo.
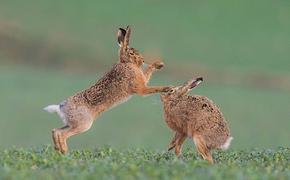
(110, 163)
(49, 50)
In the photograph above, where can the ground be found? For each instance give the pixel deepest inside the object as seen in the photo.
(110, 163)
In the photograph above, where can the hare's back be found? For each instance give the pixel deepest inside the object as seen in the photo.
(112, 88)
(211, 123)
(207, 114)
(116, 82)
(120, 75)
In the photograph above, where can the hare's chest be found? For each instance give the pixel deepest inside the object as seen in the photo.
(175, 119)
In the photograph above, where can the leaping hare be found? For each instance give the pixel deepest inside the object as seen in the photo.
(195, 117)
(125, 78)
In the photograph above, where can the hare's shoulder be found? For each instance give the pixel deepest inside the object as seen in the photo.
(196, 103)
(124, 67)
(119, 72)
(199, 100)
(112, 86)
(117, 79)
(206, 106)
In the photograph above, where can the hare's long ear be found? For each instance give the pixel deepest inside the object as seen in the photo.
(189, 85)
(195, 82)
(127, 36)
(121, 37)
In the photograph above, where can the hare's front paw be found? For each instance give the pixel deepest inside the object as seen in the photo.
(158, 64)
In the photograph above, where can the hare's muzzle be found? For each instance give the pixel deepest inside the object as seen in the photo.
(196, 82)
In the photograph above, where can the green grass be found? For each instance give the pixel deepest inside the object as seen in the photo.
(110, 163)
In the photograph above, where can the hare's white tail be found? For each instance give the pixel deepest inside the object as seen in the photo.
(227, 144)
(56, 109)
(52, 109)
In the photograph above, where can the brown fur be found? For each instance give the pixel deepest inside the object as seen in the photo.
(195, 117)
(123, 80)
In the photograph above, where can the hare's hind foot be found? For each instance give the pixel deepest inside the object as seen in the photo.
(60, 135)
(202, 148)
(59, 139)
(55, 140)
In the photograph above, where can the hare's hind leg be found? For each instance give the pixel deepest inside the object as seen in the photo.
(60, 135)
(177, 142)
(202, 148)
(76, 124)
(56, 138)
(172, 144)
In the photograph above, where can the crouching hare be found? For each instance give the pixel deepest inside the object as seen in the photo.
(195, 117)
(125, 79)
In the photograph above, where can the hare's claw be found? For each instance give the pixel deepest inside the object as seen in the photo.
(171, 146)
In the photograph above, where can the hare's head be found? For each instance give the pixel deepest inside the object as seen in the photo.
(177, 91)
(126, 53)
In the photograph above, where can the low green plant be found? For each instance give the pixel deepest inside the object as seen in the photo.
(110, 163)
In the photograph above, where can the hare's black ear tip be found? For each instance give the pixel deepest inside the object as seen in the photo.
(199, 79)
(123, 31)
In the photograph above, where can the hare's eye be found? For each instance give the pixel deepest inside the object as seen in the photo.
(171, 91)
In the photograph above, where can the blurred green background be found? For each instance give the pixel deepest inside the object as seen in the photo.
(51, 49)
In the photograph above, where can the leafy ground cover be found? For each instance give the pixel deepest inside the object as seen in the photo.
(109, 163)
